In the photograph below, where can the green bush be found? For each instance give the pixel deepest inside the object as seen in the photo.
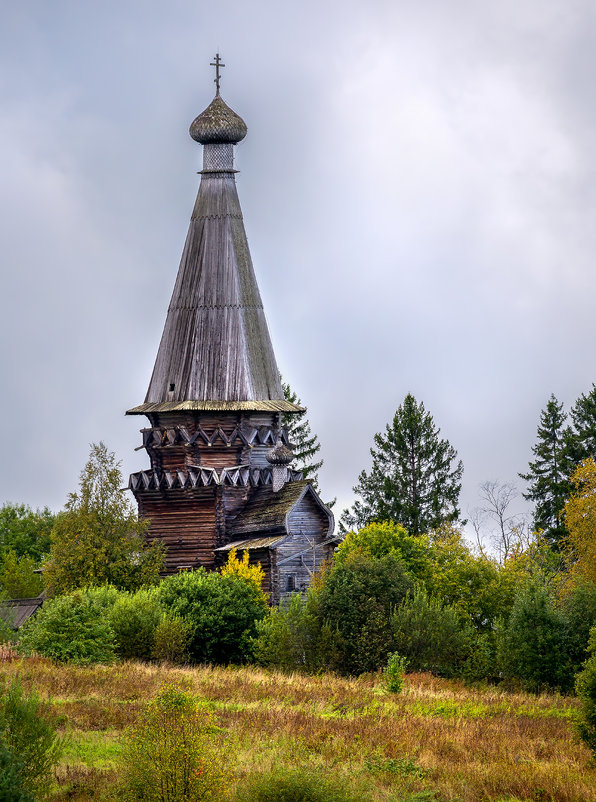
(222, 612)
(298, 785)
(171, 755)
(585, 687)
(134, 618)
(395, 671)
(11, 784)
(71, 629)
(356, 600)
(578, 607)
(289, 638)
(171, 639)
(430, 635)
(532, 646)
(28, 732)
(103, 597)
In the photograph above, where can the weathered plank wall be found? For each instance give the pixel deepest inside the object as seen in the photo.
(185, 523)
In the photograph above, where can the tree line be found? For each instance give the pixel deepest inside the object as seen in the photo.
(403, 580)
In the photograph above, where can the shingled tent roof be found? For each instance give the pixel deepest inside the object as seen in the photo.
(268, 512)
(215, 350)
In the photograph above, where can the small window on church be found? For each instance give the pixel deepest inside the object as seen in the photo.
(291, 585)
(172, 385)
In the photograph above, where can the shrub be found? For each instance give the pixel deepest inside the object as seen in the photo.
(297, 785)
(28, 732)
(222, 612)
(585, 687)
(578, 606)
(356, 600)
(11, 785)
(290, 636)
(71, 629)
(395, 672)
(532, 646)
(430, 635)
(134, 618)
(102, 596)
(171, 639)
(171, 754)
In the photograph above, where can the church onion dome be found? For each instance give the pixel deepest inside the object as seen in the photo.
(279, 454)
(218, 123)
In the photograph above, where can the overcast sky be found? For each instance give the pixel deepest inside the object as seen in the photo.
(418, 186)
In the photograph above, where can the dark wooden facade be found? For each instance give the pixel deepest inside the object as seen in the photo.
(218, 454)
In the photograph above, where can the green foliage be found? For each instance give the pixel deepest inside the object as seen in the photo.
(221, 610)
(28, 732)
(7, 634)
(383, 538)
(473, 585)
(548, 475)
(25, 531)
(291, 637)
(171, 638)
(170, 756)
(72, 629)
(17, 580)
(356, 599)
(11, 784)
(583, 417)
(395, 671)
(533, 646)
(298, 785)
(415, 479)
(430, 635)
(134, 618)
(585, 687)
(305, 444)
(98, 538)
(578, 607)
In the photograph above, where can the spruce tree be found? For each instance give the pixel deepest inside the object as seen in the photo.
(548, 474)
(305, 444)
(415, 479)
(583, 417)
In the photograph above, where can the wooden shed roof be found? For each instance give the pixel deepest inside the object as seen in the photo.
(267, 511)
(215, 348)
(253, 543)
(15, 612)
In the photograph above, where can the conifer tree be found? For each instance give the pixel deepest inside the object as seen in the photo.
(415, 479)
(548, 474)
(583, 417)
(305, 444)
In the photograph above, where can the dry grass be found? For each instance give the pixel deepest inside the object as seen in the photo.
(437, 740)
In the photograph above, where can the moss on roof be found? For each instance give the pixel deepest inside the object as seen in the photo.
(267, 511)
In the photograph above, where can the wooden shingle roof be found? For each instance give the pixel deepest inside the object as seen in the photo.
(15, 612)
(215, 350)
(267, 511)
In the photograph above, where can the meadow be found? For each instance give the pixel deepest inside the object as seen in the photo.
(438, 740)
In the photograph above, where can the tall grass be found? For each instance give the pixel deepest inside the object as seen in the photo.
(438, 739)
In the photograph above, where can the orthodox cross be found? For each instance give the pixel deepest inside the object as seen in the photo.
(217, 64)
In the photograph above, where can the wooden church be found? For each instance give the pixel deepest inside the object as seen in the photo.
(220, 475)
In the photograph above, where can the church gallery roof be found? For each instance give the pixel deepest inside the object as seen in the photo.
(215, 351)
(268, 512)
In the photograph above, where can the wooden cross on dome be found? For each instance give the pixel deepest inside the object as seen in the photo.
(217, 64)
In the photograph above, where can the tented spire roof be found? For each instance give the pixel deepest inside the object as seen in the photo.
(215, 351)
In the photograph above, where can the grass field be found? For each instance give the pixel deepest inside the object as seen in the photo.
(437, 740)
